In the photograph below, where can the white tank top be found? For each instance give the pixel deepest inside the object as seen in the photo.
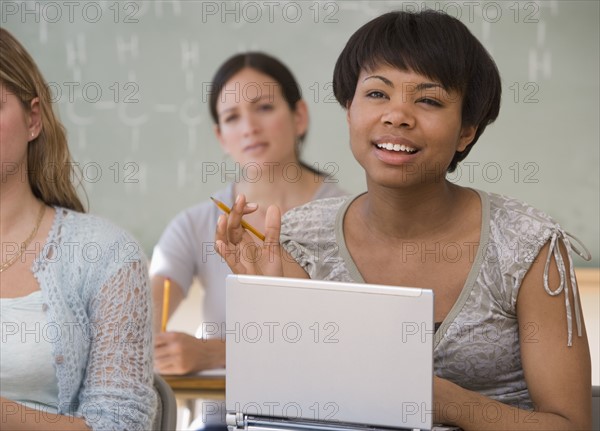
(27, 373)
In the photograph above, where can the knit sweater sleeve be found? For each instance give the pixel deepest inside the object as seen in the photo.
(117, 391)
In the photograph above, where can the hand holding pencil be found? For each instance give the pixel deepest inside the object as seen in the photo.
(242, 254)
(244, 224)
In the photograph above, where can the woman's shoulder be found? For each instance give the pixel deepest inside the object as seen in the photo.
(83, 250)
(520, 215)
(73, 225)
(91, 240)
(322, 210)
(518, 229)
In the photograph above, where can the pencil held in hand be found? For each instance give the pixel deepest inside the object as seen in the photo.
(245, 225)
(165, 308)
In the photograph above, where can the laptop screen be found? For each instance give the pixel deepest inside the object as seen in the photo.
(331, 352)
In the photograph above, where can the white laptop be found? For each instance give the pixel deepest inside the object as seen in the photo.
(321, 355)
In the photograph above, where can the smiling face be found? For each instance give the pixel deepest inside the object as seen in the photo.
(404, 127)
(256, 123)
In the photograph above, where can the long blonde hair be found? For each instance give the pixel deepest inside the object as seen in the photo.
(50, 170)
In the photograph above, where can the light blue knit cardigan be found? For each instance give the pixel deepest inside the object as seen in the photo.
(94, 281)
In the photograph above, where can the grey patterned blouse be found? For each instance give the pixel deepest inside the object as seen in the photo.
(477, 344)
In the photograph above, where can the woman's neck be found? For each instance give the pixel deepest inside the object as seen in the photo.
(18, 209)
(413, 213)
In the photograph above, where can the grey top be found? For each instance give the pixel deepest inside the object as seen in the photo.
(186, 249)
(477, 344)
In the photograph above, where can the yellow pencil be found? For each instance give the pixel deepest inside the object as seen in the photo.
(165, 308)
(245, 225)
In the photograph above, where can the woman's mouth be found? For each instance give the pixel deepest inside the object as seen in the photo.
(256, 146)
(396, 148)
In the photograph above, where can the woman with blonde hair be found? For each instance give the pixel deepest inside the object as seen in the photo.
(75, 306)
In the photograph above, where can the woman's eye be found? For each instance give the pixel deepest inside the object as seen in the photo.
(265, 107)
(229, 118)
(429, 101)
(375, 95)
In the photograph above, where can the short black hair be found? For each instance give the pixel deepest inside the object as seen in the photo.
(433, 44)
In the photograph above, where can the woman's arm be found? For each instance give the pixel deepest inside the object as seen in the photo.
(558, 377)
(17, 417)
(117, 392)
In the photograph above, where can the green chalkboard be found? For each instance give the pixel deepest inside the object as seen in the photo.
(131, 82)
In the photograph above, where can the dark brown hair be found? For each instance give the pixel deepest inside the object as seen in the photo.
(262, 63)
(432, 44)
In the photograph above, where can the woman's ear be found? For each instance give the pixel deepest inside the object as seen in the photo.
(348, 105)
(35, 118)
(219, 136)
(301, 118)
(467, 134)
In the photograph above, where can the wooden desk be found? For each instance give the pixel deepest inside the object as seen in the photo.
(198, 386)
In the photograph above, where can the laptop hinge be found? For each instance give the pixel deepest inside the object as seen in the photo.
(235, 421)
(239, 422)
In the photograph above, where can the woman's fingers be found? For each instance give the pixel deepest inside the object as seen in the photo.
(237, 246)
(235, 231)
(232, 257)
(271, 260)
(228, 251)
(249, 208)
(240, 253)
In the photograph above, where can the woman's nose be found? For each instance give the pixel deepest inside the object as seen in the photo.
(399, 115)
(250, 124)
